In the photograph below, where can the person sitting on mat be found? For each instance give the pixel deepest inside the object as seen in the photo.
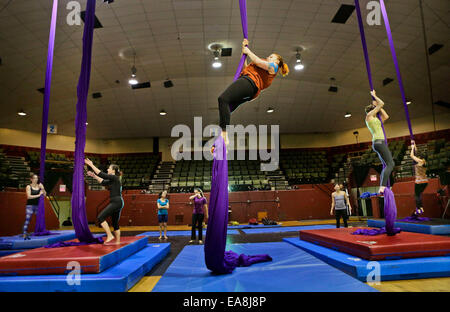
(421, 180)
(379, 145)
(255, 77)
(34, 191)
(198, 215)
(112, 179)
(339, 202)
(163, 206)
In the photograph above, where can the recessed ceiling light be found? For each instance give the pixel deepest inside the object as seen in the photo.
(163, 113)
(348, 115)
(21, 113)
(270, 110)
(408, 102)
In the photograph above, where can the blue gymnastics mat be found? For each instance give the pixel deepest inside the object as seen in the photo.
(291, 270)
(390, 270)
(7, 252)
(118, 278)
(432, 227)
(181, 233)
(288, 229)
(17, 241)
(252, 226)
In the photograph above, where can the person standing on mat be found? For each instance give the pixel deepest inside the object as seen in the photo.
(163, 214)
(112, 179)
(349, 207)
(379, 144)
(339, 199)
(34, 191)
(198, 215)
(421, 180)
(255, 77)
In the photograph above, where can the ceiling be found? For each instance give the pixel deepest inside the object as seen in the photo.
(171, 39)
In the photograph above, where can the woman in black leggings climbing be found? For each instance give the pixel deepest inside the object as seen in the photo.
(255, 77)
(379, 144)
(113, 180)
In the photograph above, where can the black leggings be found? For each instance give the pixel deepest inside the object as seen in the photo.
(341, 213)
(381, 148)
(240, 91)
(197, 223)
(113, 210)
(418, 190)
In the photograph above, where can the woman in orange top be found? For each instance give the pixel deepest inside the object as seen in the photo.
(255, 77)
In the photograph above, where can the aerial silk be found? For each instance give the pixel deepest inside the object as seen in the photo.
(414, 219)
(79, 218)
(217, 259)
(40, 229)
(243, 9)
(390, 209)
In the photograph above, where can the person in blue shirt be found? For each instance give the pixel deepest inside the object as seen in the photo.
(163, 206)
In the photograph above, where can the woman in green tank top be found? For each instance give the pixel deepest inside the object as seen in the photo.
(378, 139)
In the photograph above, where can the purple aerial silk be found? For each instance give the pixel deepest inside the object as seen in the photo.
(40, 229)
(79, 218)
(374, 232)
(414, 219)
(390, 209)
(217, 259)
(397, 69)
(243, 9)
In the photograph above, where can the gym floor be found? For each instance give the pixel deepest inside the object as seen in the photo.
(147, 283)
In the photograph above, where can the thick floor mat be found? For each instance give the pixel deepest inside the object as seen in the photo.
(93, 258)
(118, 278)
(181, 233)
(435, 226)
(388, 269)
(17, 241)
(379, 247)
(287, 229)
(291, 270)
(253, 226)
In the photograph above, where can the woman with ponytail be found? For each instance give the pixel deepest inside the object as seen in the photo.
(112, 179)
(255, 77)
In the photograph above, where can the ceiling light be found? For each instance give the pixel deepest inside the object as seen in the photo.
(133, 80)
(408, 101)
(216, 63)
(163, 113)
(270, 110)
(348, 115)
(298, 62)
(21, 113)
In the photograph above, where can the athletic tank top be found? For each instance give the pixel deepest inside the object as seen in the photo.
(261, 77)
(375, 129)
(339, 202)
(421, 174)
(34, 201)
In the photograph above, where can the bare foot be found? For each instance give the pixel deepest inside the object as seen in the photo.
(165, 237)
(160, 237)
(200, 242)
(191, 241)
(381, 190)
(108, 239)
